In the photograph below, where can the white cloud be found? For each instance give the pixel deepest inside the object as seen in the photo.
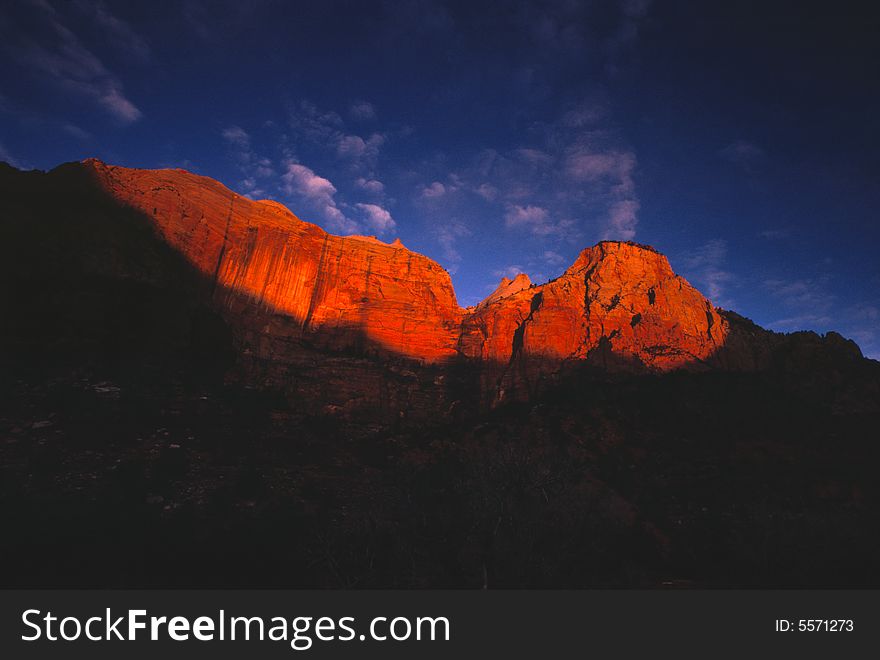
(534, 218)
(319, 192)
(358, 151)
(370, 185)
(433, 191)
(622, 220)
(510, 272)
(115, 103)
(351, 146)
(377, 217)
(553, 258)
(571, 174)
(585, 164)
(487, 191)
(237, 136)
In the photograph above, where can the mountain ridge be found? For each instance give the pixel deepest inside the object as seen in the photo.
(147, 386)
(355, 324)
(420, 314)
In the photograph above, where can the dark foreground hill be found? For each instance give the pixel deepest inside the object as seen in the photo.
(170, 415)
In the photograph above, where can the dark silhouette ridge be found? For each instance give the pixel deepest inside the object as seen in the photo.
(69, 227)
(142, 446)
(95, 287)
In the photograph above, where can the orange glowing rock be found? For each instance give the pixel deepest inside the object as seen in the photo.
(340, 292)
(620, 295)
(283, 281)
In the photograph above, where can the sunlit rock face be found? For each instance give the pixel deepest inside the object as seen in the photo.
(281, 279)
(346, 325)
(619, 305)
(360, 293)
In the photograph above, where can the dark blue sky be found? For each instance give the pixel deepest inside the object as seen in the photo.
(740, 139)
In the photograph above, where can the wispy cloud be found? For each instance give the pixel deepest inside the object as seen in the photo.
(356, 148)
(56, 53)
(320, 193)
(534, 156)
(255, 168)
(316, 125)
(799, 322)
(510, 272)
(611, 171)
(327, 130)
(622, 220)
(75, 131)
(377, 217)
(436, 189)
(806, 303)
(572, 180)
(705, 267)
(809, 294)
(237, 136)
(373, 186)
(447, 234)
(9, 159)
(362, 111)
(487, 191)
(552, 258)
(119, 32)
(534, 218)
(584, 163)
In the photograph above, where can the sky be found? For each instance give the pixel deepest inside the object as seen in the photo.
(738, 138)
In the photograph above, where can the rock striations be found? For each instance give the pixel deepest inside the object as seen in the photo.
(356, 291)
(619, 304)
(347, 321)
(338, 292)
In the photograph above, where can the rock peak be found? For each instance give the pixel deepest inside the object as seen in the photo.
(359, 292)
(616, 245)
(635, 258)
(507, 287)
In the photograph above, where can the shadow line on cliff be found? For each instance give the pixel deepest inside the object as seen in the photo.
(92, 278)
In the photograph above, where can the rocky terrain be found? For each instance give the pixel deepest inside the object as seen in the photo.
(357, 326)
(193, 380)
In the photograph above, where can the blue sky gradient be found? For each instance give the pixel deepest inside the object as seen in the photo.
(740, 139)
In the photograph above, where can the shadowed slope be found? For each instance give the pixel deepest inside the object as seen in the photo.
(341, 321)
(260, 254)
(161, 424)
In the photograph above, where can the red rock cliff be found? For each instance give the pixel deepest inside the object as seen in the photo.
(619, 304)
(282, 280)
(340, 292)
